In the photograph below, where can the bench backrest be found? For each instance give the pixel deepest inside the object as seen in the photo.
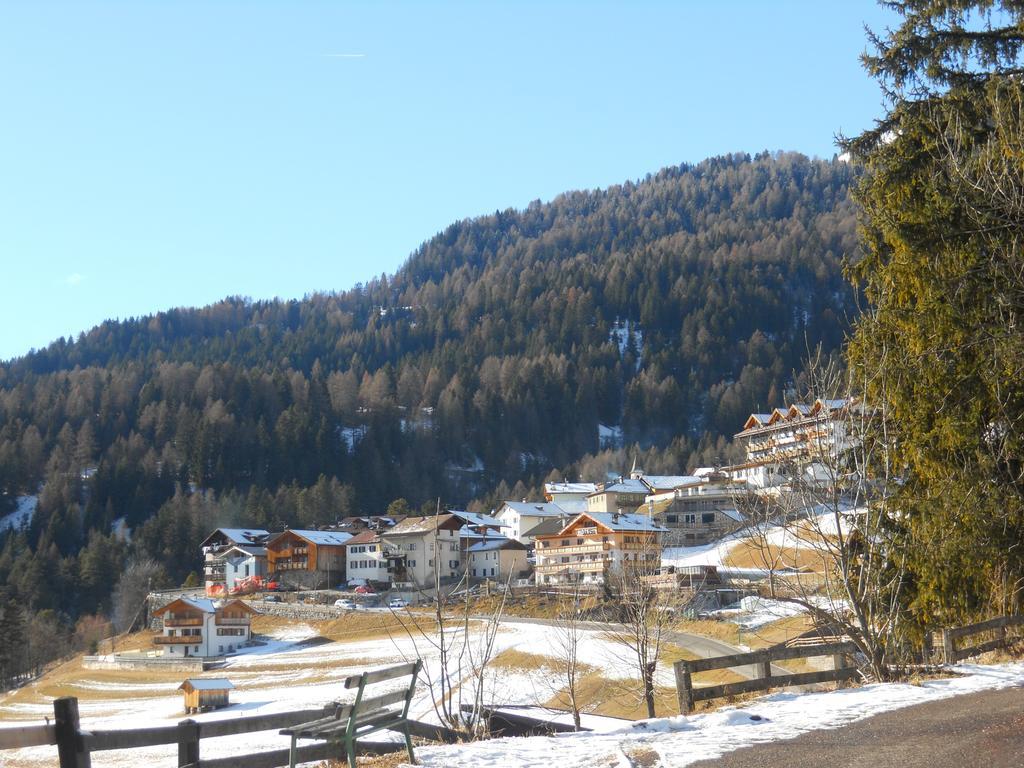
(364, 704)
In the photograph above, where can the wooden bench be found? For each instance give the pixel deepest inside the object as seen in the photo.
(363, 716)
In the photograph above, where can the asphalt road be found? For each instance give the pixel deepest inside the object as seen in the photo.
(703, 647)
(981, 730)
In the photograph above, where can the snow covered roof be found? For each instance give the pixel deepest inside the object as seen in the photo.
(424, 525)
(668, 482)
(322, 538)
(473, 518)
(489, 545)
(573, 506)
(537, 508)
(203, 604)
(248, 550)
(626, 522)
(207, 684)
(583, 488)
(240, 535)
(625, 486)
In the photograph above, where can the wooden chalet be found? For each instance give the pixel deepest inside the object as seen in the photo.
(309, 559)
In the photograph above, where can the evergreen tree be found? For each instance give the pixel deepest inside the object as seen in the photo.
(941, 350)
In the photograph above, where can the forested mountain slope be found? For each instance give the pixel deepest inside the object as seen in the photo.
(659, 312)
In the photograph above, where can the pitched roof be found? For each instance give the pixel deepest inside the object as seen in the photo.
(668, 482)
(583, 488)
(247, 550)
(240, 535)
(548, 527)
(474, 518)
(203, 604)
(207, 684)
(537, 508)
(320, 538)
(419, 525)
(625, 522)
(364, 537)
(489, 545)
(625, 486)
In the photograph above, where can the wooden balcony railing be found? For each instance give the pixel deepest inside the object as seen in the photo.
(178, 640)
(182, 621)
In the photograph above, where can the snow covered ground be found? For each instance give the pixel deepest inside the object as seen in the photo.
(680, 741)
(22, 514)
(297, 670)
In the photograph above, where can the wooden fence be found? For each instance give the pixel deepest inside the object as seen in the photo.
(952, 653)
(74, 745)
(763, 659)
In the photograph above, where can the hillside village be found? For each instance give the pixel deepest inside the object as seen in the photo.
(581, 532)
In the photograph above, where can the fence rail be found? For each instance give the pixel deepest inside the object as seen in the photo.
(688, 695)
(952, 653)
(75, 745)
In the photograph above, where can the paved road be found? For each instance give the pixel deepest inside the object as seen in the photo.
(982, 730)
(698, 645)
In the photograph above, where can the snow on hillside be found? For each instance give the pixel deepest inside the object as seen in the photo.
(22, 515)
(680, 741)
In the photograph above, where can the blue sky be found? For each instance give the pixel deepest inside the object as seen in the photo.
(161, 154)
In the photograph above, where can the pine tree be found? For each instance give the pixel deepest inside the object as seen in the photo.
(941, 350)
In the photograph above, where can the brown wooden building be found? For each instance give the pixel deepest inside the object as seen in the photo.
(205, 693)
(310, 559)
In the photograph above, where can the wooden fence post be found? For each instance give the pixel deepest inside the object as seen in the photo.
(838, 663)
(684, 687)
(948, 646)
(766, 669)
(188, 742)
(70, 748)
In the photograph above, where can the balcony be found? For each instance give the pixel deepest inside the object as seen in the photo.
(233, 621)
(587, 566)
(178, 640)
(579, 549)
(182, 621)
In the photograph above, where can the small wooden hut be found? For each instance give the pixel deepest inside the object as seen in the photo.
(205, 693)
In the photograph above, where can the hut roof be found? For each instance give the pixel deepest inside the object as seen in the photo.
(206, 684)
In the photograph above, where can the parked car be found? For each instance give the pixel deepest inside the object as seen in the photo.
(272, 598)
(398, 602)
(365, 590)
(273, 586)
(345, 604)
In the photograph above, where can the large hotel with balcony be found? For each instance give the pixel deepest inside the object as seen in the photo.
(594, 545)
(789, 444)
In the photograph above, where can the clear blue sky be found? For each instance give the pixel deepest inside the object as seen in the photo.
(161, 154)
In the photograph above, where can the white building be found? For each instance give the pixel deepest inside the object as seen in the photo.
(518, 517)
(203, 627)
(793, 445)
(496, 558)
(364, 559)
(420, 550)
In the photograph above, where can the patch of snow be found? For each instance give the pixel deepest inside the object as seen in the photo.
(683, 740)
(21, 517)
(120, 529)
(620, 334)
(609, 436)
(352, 436)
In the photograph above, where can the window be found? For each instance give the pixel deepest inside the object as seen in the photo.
(411, 563)
(430, 563)
(564, 559)
(671, 518)
(412, 547)
(492, 571)
(707, 517)
(373, 547)
(579, 541)
(565, 542)
(689, 519)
